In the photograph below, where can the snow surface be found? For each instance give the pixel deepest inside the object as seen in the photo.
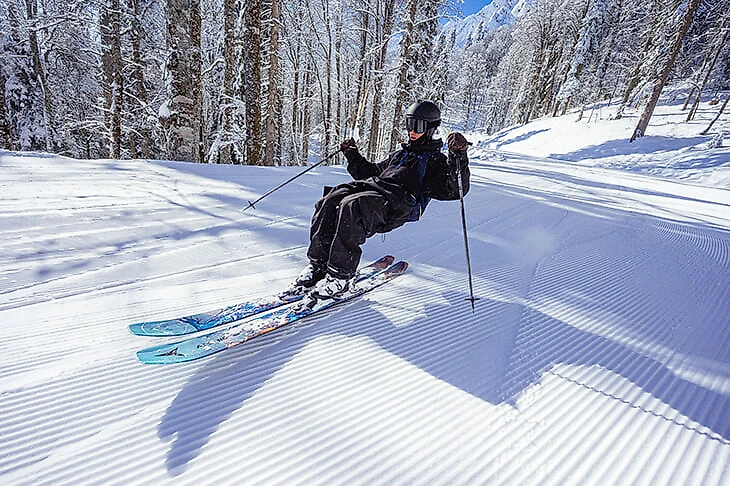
(599, 352)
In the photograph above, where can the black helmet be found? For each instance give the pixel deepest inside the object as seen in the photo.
(423, 116)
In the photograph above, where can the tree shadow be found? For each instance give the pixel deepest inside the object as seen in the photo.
(648, 144)
(503, 137)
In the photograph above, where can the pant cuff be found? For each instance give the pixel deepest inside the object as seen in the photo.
(339, 273)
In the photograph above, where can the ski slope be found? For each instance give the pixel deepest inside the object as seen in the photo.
(599, 352)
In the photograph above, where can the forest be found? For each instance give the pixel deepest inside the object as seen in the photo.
(278, 82)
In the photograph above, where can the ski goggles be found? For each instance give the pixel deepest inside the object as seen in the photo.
(416, 125)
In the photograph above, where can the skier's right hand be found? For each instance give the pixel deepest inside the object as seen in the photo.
(457, 142)
(348, 145)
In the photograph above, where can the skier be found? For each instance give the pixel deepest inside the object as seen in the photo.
(382, 197)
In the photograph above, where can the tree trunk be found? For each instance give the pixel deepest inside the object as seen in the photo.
(40, 72)
(182, 114)
(363, 71)
(328, 92)
(689, 98)
(229, 79)
(304, 112)
(711, 61)
(717, 117)
(251, 82)
(111, 62)
(341, 94)
(273, 154)
(138, 78)
(296, 95)
(635, 75)
(388, 16)
(6, 139)
(403, 88)
(664, 75)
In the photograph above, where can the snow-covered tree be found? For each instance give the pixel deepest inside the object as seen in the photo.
(24, 79)
(250, 81)
(274, 107)
(182, 112)
(284, 81)
(6, 139)
(587, 47)
(385, 16)
(687, 16)
(714, 33)
(419, 26)
(110, 26)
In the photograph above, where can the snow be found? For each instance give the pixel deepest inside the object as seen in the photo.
(599, 351)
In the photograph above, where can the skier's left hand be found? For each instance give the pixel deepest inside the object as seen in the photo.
(457, 142)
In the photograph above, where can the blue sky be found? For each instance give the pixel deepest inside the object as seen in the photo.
(473, 6)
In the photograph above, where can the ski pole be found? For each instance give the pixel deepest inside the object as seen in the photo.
(252, 204)
(466, 239)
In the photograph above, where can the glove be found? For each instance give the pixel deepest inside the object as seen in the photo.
(348, 145)
(457, 142)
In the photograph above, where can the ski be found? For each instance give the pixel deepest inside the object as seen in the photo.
(221, 339)
(226, 315)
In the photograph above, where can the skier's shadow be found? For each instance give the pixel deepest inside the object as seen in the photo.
(219, 388)
(494, 354)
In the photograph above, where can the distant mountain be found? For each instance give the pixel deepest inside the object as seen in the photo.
(491, 17)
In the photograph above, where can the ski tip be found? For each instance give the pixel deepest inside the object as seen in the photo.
(136, 329)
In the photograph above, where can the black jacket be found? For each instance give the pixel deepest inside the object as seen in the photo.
(398, 175)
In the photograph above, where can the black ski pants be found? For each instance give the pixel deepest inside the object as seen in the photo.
(345, 217)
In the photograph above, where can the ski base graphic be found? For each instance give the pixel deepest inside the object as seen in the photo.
(226, 315)
(221, 339)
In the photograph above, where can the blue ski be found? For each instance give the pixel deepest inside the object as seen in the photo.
(218, 340)
(226, 315)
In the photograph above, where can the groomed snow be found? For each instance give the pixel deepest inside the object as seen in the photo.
(599, 352)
